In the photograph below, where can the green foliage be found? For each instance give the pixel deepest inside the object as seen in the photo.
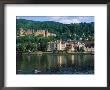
(63, 31)
(32, 43)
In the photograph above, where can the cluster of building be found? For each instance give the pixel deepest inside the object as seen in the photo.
(43, 33)
(69, 46)
(60, 45)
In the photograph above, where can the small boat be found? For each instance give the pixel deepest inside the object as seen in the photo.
(36, 71)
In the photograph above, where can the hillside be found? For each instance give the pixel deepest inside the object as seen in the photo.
(83, 31)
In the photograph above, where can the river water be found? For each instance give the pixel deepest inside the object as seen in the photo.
(55, 64)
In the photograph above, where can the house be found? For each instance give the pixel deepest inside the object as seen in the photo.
(87, 49)
(52, 46)
(72, 48)
(61, 45)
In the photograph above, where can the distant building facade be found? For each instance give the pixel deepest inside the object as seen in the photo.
(71, 46)
(43, 33)
(52, 46)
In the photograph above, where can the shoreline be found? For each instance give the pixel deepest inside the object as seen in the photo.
(60, 53)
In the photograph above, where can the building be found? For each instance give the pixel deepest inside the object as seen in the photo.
(87, 49)
(26, 32)
(22, 32)
(52, 46)
(43, 33)
(29, 32)
(61, 45)
(70, 46)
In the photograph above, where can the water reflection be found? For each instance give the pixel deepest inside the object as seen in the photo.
(72, 59)
(55, 64)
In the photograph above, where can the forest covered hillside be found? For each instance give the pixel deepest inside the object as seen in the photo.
(74, 31)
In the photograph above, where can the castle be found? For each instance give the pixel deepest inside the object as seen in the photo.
(43, 33)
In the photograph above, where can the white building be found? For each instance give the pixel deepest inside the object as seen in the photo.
(87, 49)
(61, 45)
(72, 48)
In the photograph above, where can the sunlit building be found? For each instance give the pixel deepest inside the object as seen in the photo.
(61, 45)
(43, 33)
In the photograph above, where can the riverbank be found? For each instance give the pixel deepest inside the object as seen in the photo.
(60, 53)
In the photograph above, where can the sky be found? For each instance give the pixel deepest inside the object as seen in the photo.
(61, 19)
